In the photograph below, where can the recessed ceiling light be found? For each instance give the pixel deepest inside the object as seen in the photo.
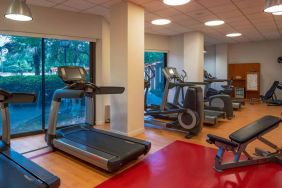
(176, 2)
(277, 13)
(272, 6)
(234, 35)
(161, 22)
(214, 23)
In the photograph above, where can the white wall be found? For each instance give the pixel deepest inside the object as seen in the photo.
(127, 65)
(221, 61)
(173, 45)
(53, 23)
(265, 53)
(176, 52)
(156, 43)
(103, 74)
(210, 59)
(194, 56)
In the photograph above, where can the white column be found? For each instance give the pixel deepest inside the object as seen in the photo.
(194, 56)
(221, 63)
(127, 68)
(102, 71)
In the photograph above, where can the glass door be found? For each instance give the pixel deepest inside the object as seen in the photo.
(154, 63)
(64, 53)
(20, 71)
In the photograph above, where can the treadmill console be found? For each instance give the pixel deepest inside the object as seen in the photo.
(171, 73)
(72, 74)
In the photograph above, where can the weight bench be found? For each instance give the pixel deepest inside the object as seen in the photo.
(239, 141)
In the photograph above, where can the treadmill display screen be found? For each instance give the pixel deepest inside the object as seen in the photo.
(73, 74)
(173, 73)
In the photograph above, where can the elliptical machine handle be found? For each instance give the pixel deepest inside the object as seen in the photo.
(184, 75)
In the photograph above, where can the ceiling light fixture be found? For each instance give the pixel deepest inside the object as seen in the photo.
(214, 22)
(175, 2)
(272, 6)
(161, 22)
(277, 13)
(234, 35)
(19, 11)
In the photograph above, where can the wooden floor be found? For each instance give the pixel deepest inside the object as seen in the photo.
(74, 173)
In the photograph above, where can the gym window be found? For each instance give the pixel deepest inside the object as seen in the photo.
(154, 64)
(29, 64)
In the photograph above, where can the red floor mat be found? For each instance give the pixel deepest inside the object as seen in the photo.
(184, 165)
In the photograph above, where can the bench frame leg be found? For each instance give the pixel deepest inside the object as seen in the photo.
(271, 157)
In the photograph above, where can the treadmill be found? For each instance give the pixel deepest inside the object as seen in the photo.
(107, 150)
(16, 171)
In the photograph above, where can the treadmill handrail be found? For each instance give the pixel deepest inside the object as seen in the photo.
(186, 84)
(16, 97)
(68, 94)
(216, 80)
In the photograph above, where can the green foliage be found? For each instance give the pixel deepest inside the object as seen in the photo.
(23, 54)
(75, 52)
(32, 84)
(151, 57)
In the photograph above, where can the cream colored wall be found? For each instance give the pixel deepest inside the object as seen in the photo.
(265, 53)
(118, 59)
(103, 71)
(53, 23)
(194, 56)
(127, 65)
(156, 43)
(221, 60)
(136, 30)
(173, 45)
(176, 52)
(210, 59)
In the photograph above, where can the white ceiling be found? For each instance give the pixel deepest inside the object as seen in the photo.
(244, 16)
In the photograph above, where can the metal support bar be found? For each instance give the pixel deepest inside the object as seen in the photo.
(267, 142)
(53, 117)
(90, 114)
(6, 129)
(165, 96)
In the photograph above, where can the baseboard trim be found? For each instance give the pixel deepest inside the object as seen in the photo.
(132, 133)
(100, 122)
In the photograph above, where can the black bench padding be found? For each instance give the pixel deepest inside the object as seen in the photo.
(212, 138)
(254, 129)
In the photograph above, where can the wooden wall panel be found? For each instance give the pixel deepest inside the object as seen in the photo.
(235, 70)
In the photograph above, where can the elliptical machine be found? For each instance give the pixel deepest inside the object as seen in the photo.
(149, 74)
(221, 99)
(188, 117)
(211, 114)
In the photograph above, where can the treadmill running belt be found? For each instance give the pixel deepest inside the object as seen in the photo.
(103, 142)
(13, 176)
